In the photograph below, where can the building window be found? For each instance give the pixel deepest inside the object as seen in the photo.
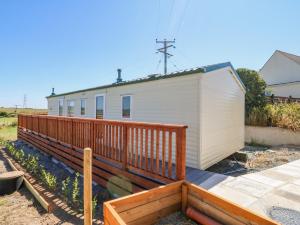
(82, 107)
(71, 106)
(60, 107)
(126, 106)
(100, 102)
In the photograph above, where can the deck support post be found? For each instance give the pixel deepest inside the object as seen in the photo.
(87, 177)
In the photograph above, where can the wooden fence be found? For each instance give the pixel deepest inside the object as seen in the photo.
(156, 151)
(279, 99)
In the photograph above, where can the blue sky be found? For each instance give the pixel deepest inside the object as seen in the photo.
(71, 44)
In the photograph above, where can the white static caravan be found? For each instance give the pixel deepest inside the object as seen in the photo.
(209, 100)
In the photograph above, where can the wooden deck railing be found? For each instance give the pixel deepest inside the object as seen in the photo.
(152, 150)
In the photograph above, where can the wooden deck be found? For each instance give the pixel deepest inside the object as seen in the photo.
(126, 155)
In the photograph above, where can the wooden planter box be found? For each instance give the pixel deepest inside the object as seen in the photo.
(148, 207)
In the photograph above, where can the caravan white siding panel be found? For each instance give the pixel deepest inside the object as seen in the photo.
(173, 100)
(286, 90)
(221, 116)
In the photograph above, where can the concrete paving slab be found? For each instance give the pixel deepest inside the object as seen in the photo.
(233, 195)
(248, 186)
(264, 179)
(288, 170)
(275, 190)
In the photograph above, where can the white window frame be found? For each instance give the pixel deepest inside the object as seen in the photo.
(68, 101)
(85, 100)
(63, 102)
(104, 104)
(130, 116)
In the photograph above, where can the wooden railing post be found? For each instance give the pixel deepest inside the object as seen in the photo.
(72, 138)
(125, 146)
(56, 130)
(180, 153)
(87, 186)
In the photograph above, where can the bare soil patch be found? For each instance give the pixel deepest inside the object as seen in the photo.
(256, 158)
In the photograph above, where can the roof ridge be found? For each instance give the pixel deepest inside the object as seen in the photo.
(152, 77)
(290, 56)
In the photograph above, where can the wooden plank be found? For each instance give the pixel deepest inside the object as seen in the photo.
(149, 208)
(229, 206)
(157, 215)
(87, 185)
(110, 216)
(141, 147)
(184, 197)
(170, 155)
(152, 149)
(157, 151)
(136, 147)
(213, 212)
(134, 200)
(146, 149)
(163, 152)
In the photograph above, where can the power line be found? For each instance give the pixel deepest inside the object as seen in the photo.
(182, 17)
(164, 50)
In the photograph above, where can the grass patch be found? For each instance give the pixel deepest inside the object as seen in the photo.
(8, 133)
(7, 121)
(14, 111)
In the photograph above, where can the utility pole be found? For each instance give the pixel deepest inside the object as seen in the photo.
(16, 108)
(25, 102)
(166, 44)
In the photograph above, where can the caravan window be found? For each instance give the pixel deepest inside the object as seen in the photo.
(126, 106)
(60, 107)
(82, 107)
(71, 106)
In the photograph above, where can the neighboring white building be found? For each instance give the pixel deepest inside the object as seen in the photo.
(282, 74)
(210, 100)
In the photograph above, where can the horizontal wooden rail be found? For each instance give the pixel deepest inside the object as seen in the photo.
(152, 150)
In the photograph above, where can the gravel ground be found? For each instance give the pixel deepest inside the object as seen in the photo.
(285, 216)
(177, 218)
(25, 208)
(258, 158)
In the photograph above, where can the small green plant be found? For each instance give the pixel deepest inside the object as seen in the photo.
(94, 205)
(32, 164)
(19, 155)
(75, 190)
(48, 179)
(65, 188)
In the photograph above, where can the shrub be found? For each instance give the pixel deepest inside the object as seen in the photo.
(4, 114)
(65, 188)
(48, 179)
(284, 115)
(32, 164)
(255, 89)
(75, 190)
